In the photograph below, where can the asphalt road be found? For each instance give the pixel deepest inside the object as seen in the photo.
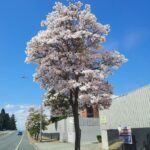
(14, 142)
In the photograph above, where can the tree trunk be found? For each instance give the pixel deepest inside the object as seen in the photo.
(76, 120)
(37, 136)
(77, 130)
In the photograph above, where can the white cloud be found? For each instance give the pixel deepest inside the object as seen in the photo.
(9, 106)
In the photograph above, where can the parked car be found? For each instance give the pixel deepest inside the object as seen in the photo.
(19, 133)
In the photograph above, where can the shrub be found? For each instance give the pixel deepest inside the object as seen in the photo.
(99, 138)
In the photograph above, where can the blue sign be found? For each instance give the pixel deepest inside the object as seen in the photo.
(127, 139)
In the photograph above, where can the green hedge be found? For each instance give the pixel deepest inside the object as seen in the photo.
(99, 138)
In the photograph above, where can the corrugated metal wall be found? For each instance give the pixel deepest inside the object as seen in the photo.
(132, 109)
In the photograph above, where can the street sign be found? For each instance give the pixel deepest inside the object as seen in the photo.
(125, 134)
(103, 119)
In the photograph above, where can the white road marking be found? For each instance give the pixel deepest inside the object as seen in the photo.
(19, 143)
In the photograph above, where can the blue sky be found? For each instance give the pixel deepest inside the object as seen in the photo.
(20, 21)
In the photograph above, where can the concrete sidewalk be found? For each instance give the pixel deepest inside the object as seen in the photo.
(66, 146)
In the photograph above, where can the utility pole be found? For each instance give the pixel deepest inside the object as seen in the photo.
(41, 118)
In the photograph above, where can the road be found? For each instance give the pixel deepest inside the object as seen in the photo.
(14, 142)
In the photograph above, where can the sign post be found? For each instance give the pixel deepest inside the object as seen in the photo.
(125, 134)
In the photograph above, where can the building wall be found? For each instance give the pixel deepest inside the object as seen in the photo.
(85, 114)
(90, 128)
(132, 109)
(95, 111)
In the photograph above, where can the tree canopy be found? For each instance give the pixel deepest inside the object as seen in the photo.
(7, 122)
(70, 55)
(35, 118)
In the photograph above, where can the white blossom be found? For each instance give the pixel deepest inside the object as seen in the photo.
(70, 55)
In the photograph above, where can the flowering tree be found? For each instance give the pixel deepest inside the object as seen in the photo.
(71, 59)
(33, 122)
